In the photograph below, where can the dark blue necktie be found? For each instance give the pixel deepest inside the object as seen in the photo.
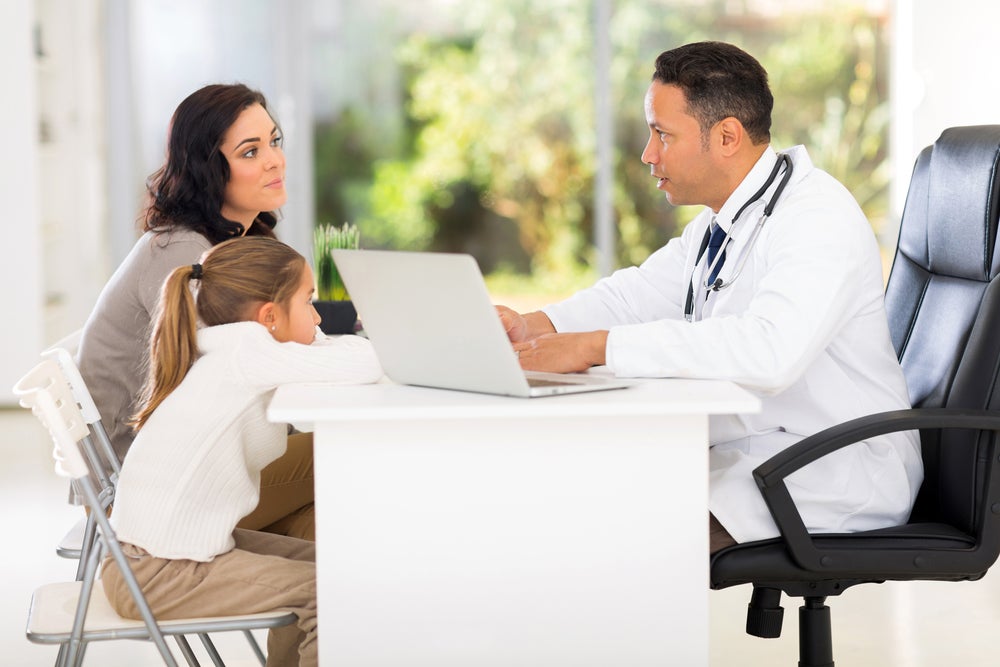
(714, 244)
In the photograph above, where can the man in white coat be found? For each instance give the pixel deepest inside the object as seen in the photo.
(777, 285)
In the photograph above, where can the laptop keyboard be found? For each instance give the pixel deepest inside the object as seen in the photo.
(539, 382)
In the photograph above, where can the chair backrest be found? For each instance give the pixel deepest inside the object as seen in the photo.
(46, 393)
(943, 304)
(63, 353)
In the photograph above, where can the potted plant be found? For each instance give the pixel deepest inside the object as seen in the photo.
(332, 300)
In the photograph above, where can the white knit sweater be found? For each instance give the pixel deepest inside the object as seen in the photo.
(194, 469)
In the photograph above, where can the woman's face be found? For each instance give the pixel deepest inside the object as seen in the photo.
(252, 145)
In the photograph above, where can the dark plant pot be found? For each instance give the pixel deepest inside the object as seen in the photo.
(339, 317)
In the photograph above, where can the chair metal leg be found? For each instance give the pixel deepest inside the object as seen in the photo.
(61, 656)
(815, 636)
(206, 641)
(256, 647)
(186, 651)
(88, 543)
(74, 647)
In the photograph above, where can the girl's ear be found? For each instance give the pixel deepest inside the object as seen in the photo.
(266, 314)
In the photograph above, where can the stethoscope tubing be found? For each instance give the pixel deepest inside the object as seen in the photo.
(719, 284)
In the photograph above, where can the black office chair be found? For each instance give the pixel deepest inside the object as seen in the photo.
(943, 302)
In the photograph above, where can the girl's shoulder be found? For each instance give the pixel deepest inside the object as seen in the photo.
(222, 335)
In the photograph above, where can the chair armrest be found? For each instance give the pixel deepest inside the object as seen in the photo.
(770, 475)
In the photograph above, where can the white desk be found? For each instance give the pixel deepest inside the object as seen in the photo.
(471, 530)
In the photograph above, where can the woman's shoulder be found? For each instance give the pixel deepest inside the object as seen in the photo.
(174, 239)
(162, 251)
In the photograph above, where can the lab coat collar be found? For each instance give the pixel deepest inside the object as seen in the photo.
(756, 177)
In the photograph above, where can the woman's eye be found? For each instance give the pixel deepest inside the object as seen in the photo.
(250, 153)
(276, 141)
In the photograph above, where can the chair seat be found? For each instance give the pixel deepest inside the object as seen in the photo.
(768, 562)
(71, 544)
(50, 618)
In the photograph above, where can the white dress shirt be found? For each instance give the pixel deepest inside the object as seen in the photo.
(803, 326)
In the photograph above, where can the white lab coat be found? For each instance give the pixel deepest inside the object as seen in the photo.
(803, 327)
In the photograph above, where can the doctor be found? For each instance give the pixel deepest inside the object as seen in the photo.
(777, 285)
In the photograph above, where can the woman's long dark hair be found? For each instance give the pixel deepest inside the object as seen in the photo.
(189, 189)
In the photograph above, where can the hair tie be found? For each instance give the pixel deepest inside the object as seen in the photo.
(196, 272)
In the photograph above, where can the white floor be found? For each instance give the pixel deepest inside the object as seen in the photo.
(892, 625)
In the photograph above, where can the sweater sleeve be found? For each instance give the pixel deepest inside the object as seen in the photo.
(266, 363)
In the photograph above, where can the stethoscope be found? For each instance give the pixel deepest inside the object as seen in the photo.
(719, 284)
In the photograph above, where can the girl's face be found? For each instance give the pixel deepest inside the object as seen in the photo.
(297, 320)
(252, 145)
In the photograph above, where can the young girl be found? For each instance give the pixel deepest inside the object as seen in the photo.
(203, 437)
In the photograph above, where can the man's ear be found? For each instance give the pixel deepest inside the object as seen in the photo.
(266, 314)
(731, 135)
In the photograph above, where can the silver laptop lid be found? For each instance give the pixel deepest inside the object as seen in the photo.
(431, 320)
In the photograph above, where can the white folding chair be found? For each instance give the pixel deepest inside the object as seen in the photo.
(104, 460)
(71, 614)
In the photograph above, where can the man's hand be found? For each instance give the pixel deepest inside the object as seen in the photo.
(520, 327)
(562, 353)
(513, 323)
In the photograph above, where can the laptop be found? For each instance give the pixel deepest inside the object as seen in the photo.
(432, 324)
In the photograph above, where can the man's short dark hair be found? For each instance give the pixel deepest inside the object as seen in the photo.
(720, 80)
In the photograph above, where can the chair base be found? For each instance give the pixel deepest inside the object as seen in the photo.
(815, 636)
(764, 613)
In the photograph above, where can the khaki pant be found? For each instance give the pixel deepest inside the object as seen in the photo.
(263, 572)
(287, 493)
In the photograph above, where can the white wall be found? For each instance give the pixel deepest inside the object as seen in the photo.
(72, 160)
(944, 75)
(21, 263)
(261, 43)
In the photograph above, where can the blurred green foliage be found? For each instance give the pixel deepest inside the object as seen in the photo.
(499, 159)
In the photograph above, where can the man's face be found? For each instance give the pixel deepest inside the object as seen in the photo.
(676, 153)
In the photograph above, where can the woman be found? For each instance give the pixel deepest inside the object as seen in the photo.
(224, 177)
